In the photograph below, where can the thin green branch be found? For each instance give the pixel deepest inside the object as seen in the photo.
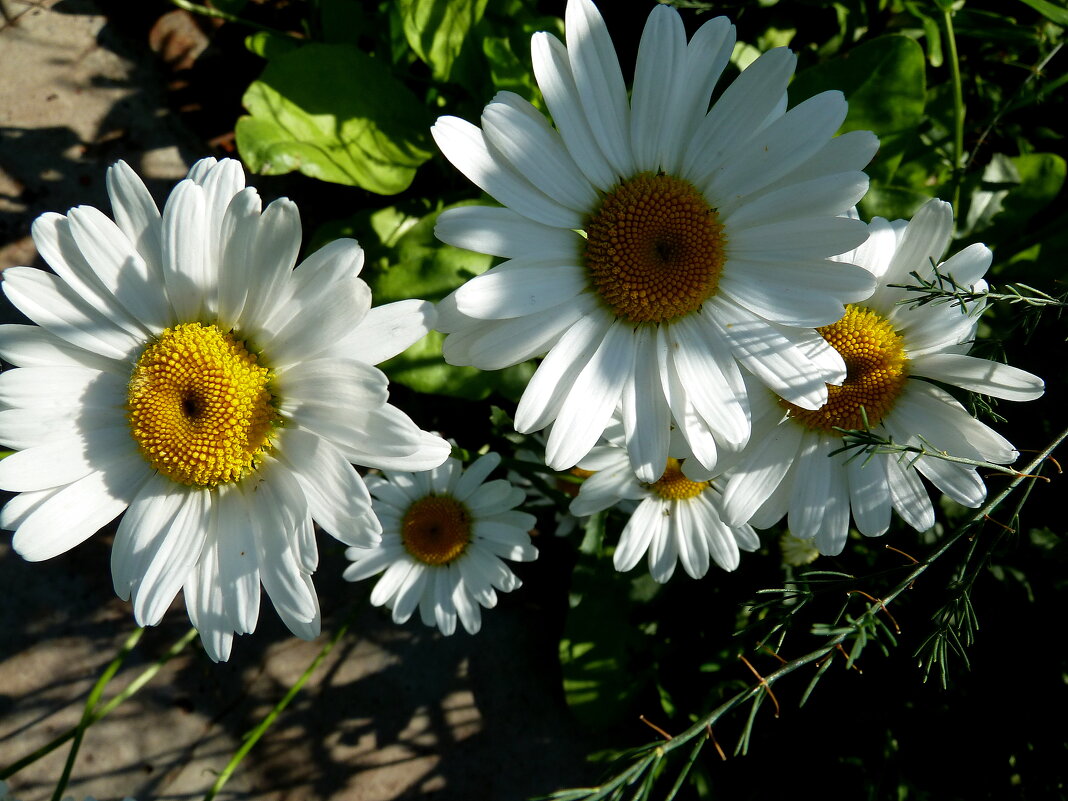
(101, 712)
(90, 704)
(958, 103)
(943, 288)
(225, 16)
(253, 736)
(855, 627)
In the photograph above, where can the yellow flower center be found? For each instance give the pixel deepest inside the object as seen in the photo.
(436, 529)
(654, 249)
(199, 406)
(876, 372)
(674, 486)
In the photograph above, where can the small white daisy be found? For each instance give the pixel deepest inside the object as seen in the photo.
(183, 372)
(676, 520)
(444, 534)
(655, 246)
(890, 349)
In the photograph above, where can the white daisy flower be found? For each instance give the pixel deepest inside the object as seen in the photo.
(655, 245)
(890, 349)
(183, 372)
(445, 533)
(676, 519)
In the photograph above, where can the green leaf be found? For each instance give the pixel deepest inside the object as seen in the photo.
(883, 80)
(436, 30)
(1050, 11)
(1025, 186)
(268, 45)
(336, 114)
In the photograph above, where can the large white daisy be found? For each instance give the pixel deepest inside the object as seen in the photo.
(676, 520)
(655, 245)
(183, 371)
(891, 349)
(444, 535)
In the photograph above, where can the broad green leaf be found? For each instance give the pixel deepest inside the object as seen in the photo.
(436, 30)
(1031, 183)
(883, 80)
(268, 45)
(336, 114)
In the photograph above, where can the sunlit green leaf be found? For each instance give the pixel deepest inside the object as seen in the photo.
(336, 114)
(436, 30)
(883, 80)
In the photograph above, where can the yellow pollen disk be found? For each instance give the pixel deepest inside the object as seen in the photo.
(674, 486)
(876, 372)
(436, 529)
(654, 249)
(199, 406)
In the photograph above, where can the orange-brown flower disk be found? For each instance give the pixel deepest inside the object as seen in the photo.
(436, 529)
(654, 249)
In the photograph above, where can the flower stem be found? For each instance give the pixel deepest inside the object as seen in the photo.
(90, 704)
(958, 106)
(95, 714)
(255, 734)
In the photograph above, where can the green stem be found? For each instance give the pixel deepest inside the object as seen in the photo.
(215, 13)
(700, 727)
(101, 712)
(254, 736)
(90, 704)
(958, 107)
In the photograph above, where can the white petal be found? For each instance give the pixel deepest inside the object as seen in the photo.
(54, 306)
(74, 513)
(739, 111)
(495, 344)
(593, 397)
(979, 375)
(66, 460)
(909, 497)
(237, 272)
(772, 356)
(336, 494)
(33, 346)
(557, 83)
(386, 331)
(811, 488)
(465, 146)
(136, 213)
(186, 255)
(763, 468)
(502, 232)
(646, 524)
(170, 557)
(127, 277)
(658, 70)
(646, 416)
(518, 133)
(802, 293)
(547, 388)
(271, 257)
(519, 288)
(869, 494)
(599, 81)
